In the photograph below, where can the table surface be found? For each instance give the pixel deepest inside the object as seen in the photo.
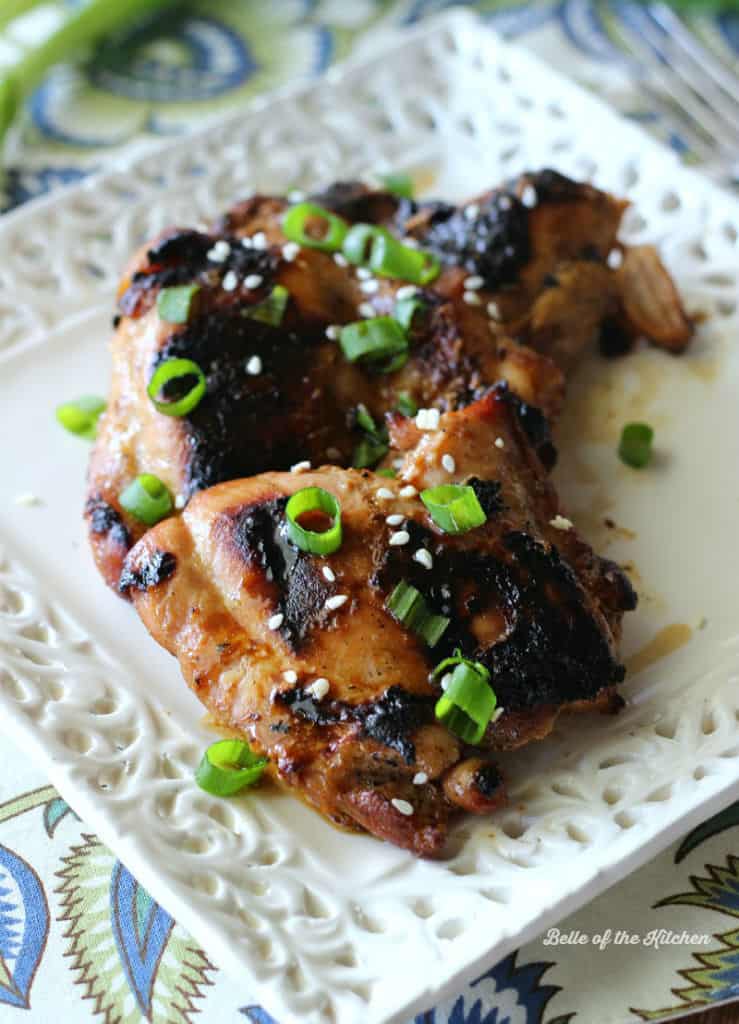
(66, 903)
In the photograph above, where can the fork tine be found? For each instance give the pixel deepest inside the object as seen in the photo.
(705, 120)
(710, 63)
(695, 75)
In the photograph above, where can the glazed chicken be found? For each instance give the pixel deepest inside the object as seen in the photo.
(338, 693)
(526, 284)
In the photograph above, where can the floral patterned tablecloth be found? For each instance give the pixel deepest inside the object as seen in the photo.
(80, 939)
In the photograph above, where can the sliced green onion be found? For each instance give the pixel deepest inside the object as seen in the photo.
(454, 507)
(409, 607)
(311, 501)
(635, 446)
(407, 404)
(298, 218)
(147, 499)
(174, 304)
(406, 309)
(364, 419)
(368, 452)
(357, 246)
(272, 309)
(390, 473)
(379, 342)
(164, 380)
(391, 258)
(229, 766)
(81, 416)
(399, 184)
(375, 247)
(468, 703)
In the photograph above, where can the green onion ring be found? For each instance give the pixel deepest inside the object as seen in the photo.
(314, 499)
(378, 342)
(408, 606)
(635, 446)
(229, 766)
(81, 416)
(176, 369)
(174, 304)
(468, 703)
(454, 507)
(295, 222)
(147, 499)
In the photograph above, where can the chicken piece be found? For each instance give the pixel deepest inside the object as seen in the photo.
(651, 304)
(339, 695)
(278, 394)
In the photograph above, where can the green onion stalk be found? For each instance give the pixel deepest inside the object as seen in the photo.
(84, 27)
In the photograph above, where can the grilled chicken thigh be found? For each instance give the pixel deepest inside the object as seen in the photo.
(525, 285)
(339, 694)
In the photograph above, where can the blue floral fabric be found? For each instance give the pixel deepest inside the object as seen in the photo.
(77, 931)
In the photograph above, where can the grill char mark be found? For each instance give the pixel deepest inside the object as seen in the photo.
(157, 566)
(391, 720)
(300, 591)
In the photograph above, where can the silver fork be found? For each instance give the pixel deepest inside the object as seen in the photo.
(684, 76)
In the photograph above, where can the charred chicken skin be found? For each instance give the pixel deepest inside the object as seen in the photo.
(339, 694)
(525, 286)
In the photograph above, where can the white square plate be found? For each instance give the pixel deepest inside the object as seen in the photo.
(323, 926)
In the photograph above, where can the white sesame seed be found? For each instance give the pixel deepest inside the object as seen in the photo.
(493, 310)
(529, 197)
(364, 273)
(219, 252)
(496, 715)
(259, 241)
(230, 281)
(247, 242)
(253, 280)
(397, 463)
(471, 211)
(472, 299)
(402, 806)
(333, 453)
(369, 287)
(366, 309)
(340, 259)
(420, 778)
(560, 523)
(332, 332)
(474, 282)
(290, 676)
(499, 442)
(424, 558)
(290, 251)
(409, 491)
(275, 621)
(406, 292)
(399, 538)
(427, 419)
(300, 467)
(615, 259)
(394, 520)
(319, 688)
(296, 195)
(445, 681)
(180, 501)
(410, 242)
(332, 603)
(254, 366)
(26, 499)
(448, 463)
(504, 203)
(384, 493)
(328, 573)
